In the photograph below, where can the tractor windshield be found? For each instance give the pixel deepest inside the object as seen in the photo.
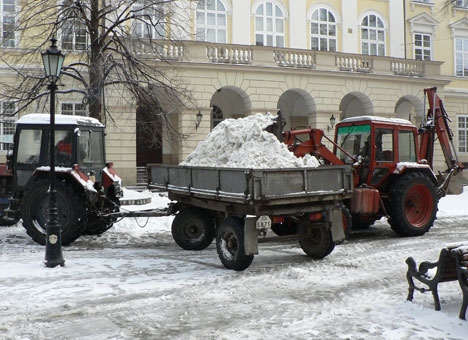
(353, 139)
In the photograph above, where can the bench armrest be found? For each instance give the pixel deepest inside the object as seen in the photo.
(425, 266)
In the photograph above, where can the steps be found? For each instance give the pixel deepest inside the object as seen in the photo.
(142, 176)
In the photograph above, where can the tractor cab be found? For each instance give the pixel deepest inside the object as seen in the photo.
(78, 141)
(378, 144)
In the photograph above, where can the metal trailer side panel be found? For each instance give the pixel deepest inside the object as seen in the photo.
(261, 187)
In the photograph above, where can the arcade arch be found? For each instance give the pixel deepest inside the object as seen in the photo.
(411, 108)
(297, 107)
(356, 104)
(229, 102)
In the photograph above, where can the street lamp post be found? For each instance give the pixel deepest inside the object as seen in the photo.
(53, 61)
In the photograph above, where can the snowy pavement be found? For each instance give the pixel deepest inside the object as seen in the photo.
(133, 282)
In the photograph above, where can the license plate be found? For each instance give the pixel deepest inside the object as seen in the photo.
(263, 222)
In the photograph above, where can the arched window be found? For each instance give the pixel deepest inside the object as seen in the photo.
(211, 21)
(269, 25)
(216, 116)
(373, 35)
(323, 30)
(149, 21)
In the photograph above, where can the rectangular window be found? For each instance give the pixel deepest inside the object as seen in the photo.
(8, 22)
(462, 133)
(7, 125)
(384, 145)
(461, 57)
(461, 3)
(422, 46)
(29, 146)
(73, 109)
(406, 146)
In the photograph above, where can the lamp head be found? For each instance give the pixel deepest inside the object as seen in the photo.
(53, 59)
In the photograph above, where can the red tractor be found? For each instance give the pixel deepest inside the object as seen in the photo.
(393, 167)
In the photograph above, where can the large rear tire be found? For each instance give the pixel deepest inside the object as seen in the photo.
(317, 242)
(193, 229)
(230, 244)
(413, 205)
(35, 207)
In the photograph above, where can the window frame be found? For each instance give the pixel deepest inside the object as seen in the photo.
(220, 31)
(11, 41)
(327, 38)
(370, 43)
(278, 38)
(157, 14)
(7, 123)
(422, 47)
(74, 110)
(217, 116)
(72, 38)
(461, 4)
(462, 138)
(461, 56)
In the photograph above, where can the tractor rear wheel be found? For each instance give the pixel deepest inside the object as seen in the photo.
(35, 207)
(413, 205)
(193, 229)
(317, 242)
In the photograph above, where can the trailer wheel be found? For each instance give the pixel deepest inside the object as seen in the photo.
(316, 242)
(413, 205)
(35, 206)
(193, 229)
(230, 244)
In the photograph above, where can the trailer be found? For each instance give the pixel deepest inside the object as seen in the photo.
(238, 207)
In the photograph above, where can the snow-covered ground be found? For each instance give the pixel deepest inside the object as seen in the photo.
(133, 282)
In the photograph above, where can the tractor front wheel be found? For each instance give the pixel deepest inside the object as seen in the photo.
(413, 205)
(35, 208)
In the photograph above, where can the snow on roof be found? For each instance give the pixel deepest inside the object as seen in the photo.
(42, 118)
(377, 119)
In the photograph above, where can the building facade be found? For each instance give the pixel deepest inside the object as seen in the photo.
(310, 59)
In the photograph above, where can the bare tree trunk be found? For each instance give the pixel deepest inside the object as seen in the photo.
(96, 68)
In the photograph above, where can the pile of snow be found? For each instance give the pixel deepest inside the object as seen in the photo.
(244, 143)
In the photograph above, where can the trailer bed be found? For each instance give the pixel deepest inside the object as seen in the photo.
(253, 191)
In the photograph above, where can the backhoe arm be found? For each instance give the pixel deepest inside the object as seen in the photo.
(437, 124)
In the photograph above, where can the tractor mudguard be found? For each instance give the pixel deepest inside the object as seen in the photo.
(110, 177)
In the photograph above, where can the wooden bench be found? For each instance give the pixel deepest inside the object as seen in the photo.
(449, 267)
(460, 255)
